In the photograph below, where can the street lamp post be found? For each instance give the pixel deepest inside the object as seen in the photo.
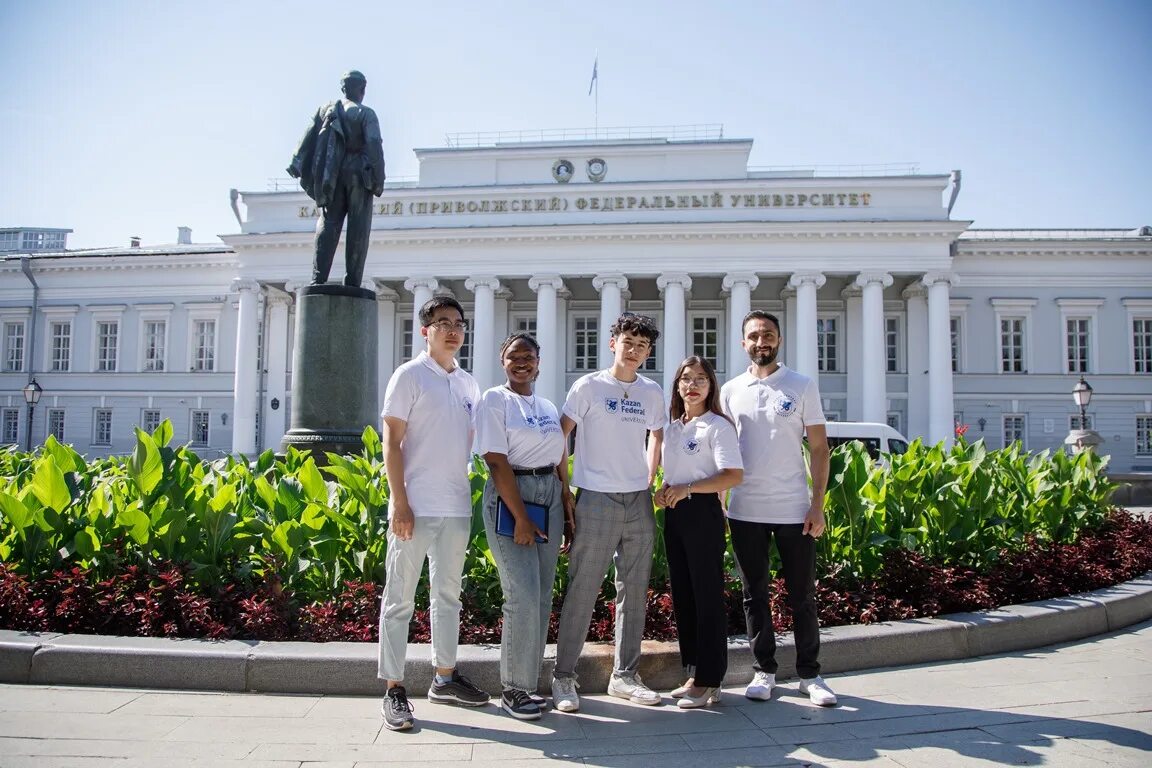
(32, 392)
(1083, 439)
(1082, 395)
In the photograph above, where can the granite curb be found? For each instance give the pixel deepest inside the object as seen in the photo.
(350, 668)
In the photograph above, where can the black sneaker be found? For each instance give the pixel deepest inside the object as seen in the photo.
(520, 705)
(458, 690)
(396, 709)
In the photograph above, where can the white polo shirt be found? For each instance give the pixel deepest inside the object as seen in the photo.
(699, 449)
(613, 419)
(439, 408)
(525, 429)
(770, 415)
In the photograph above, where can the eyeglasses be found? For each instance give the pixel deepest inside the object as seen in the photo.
(460, 326)
(700, 381)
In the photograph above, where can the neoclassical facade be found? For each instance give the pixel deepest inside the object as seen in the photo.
(902, 313)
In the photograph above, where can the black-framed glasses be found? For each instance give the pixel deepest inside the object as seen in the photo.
(460, 326)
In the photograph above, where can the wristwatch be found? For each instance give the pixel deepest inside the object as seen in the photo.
(689, 490)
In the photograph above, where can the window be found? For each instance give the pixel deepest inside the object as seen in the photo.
(1014, 429)
(204, 346)
(155, 344)
(107, 344)
(406, 340)
(150, 420)
(199, 429)
(102, 427)
(464, 354)
(11, 426)
(1012, 345)
(894, 421)
(1074, 421)
(56, 423)
(706, 338)
(832, 415)
(585, 343)
(1144, 435)
(1076, 344)
(524, 325)
(827, 341)
(60, 335)
(43, 241)
(892, 344)
(1142, 344)
(9, 241)
(14, 346)
(954, 333)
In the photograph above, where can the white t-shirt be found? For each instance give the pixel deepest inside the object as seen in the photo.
(770, 415)
(439, 408)
(610, 454)
(525, 429)
(699, 449)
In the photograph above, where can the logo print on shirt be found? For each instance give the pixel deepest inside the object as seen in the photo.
(785, 404)
(468, 406)
(692, 446)
(612, 405)
(530, 420)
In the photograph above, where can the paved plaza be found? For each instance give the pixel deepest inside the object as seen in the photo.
(1082, 704)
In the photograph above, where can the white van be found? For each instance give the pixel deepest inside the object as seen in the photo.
(877, 438)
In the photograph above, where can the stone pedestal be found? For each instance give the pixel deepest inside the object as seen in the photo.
(334, 372)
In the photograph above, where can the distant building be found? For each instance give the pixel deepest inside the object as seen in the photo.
(904, 314)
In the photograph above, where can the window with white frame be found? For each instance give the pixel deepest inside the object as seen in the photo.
(1014, 429)
(1076, 344)
(1142, 344)
(11, 426)
(199, 428)
(14, 345)
(150, 420)
(954, 335)
(204, 346)
(1012, 345)
(9, 241)
(585, 342)
(406, 337)
(524, 324)
(1075, 423)
(56, 423)
(464, 354)
(894, 421)
(102, 427)
(155, 350)
(706, 338)
(107, 344)
(893, 363)
(827, 344)
(60, 341)
(1144, 435)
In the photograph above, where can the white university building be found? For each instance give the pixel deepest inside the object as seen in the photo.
(903, 314)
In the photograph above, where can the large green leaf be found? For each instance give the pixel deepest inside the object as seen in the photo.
(145, 467)
(48, 484)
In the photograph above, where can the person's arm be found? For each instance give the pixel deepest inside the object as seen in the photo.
(402, 520)
(671, 495)
(818, 467)
(567, 425)
(505, 482)
(655, 454)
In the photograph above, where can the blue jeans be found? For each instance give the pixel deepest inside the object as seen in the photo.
(526, 577)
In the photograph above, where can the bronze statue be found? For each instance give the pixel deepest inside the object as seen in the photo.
(339, 161)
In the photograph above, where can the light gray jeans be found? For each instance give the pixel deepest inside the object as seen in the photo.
(617, 528)
(526, 578)
(444, 541)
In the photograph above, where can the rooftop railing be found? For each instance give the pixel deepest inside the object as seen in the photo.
(812, 171)
(693, 132)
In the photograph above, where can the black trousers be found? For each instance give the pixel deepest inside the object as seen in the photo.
(352, 201)
(751, 543)
(694, 541)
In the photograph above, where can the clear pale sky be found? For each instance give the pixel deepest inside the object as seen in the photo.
(124, 118)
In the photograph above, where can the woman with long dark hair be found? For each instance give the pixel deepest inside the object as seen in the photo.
(701, 461)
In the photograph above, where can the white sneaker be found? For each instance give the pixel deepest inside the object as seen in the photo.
(761, 686)
(633, 689)
(818, 691)
(564, 698)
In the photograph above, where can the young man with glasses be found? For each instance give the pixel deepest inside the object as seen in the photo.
(613, 411)
(774, 408)
(428, 422)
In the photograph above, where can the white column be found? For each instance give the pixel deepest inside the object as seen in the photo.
(806, 285)
(611, 289)
(560, 345)
(546, 287)
(917, 303)
(275, 420)
(422, 289)
(739, 286)
(940, 406)
(245, 381)
(787, 354)
(484, 329)
(873, 384)
(674, 286)
(386, 299)
(853, 338)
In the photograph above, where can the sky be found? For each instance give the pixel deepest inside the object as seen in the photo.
(126, 117)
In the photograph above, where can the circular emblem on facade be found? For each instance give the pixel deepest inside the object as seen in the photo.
(597, 169)
(562, 171)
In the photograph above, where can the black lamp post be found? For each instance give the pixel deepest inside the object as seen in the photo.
(32, 392)
(1082, 394)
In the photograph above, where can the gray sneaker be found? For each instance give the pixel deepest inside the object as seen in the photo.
(396, 709)
(631, 687)
(458, 690)
(564, 697)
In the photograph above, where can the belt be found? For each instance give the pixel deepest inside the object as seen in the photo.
(538, 471)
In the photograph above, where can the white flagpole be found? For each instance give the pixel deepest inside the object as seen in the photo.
(595, 84)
